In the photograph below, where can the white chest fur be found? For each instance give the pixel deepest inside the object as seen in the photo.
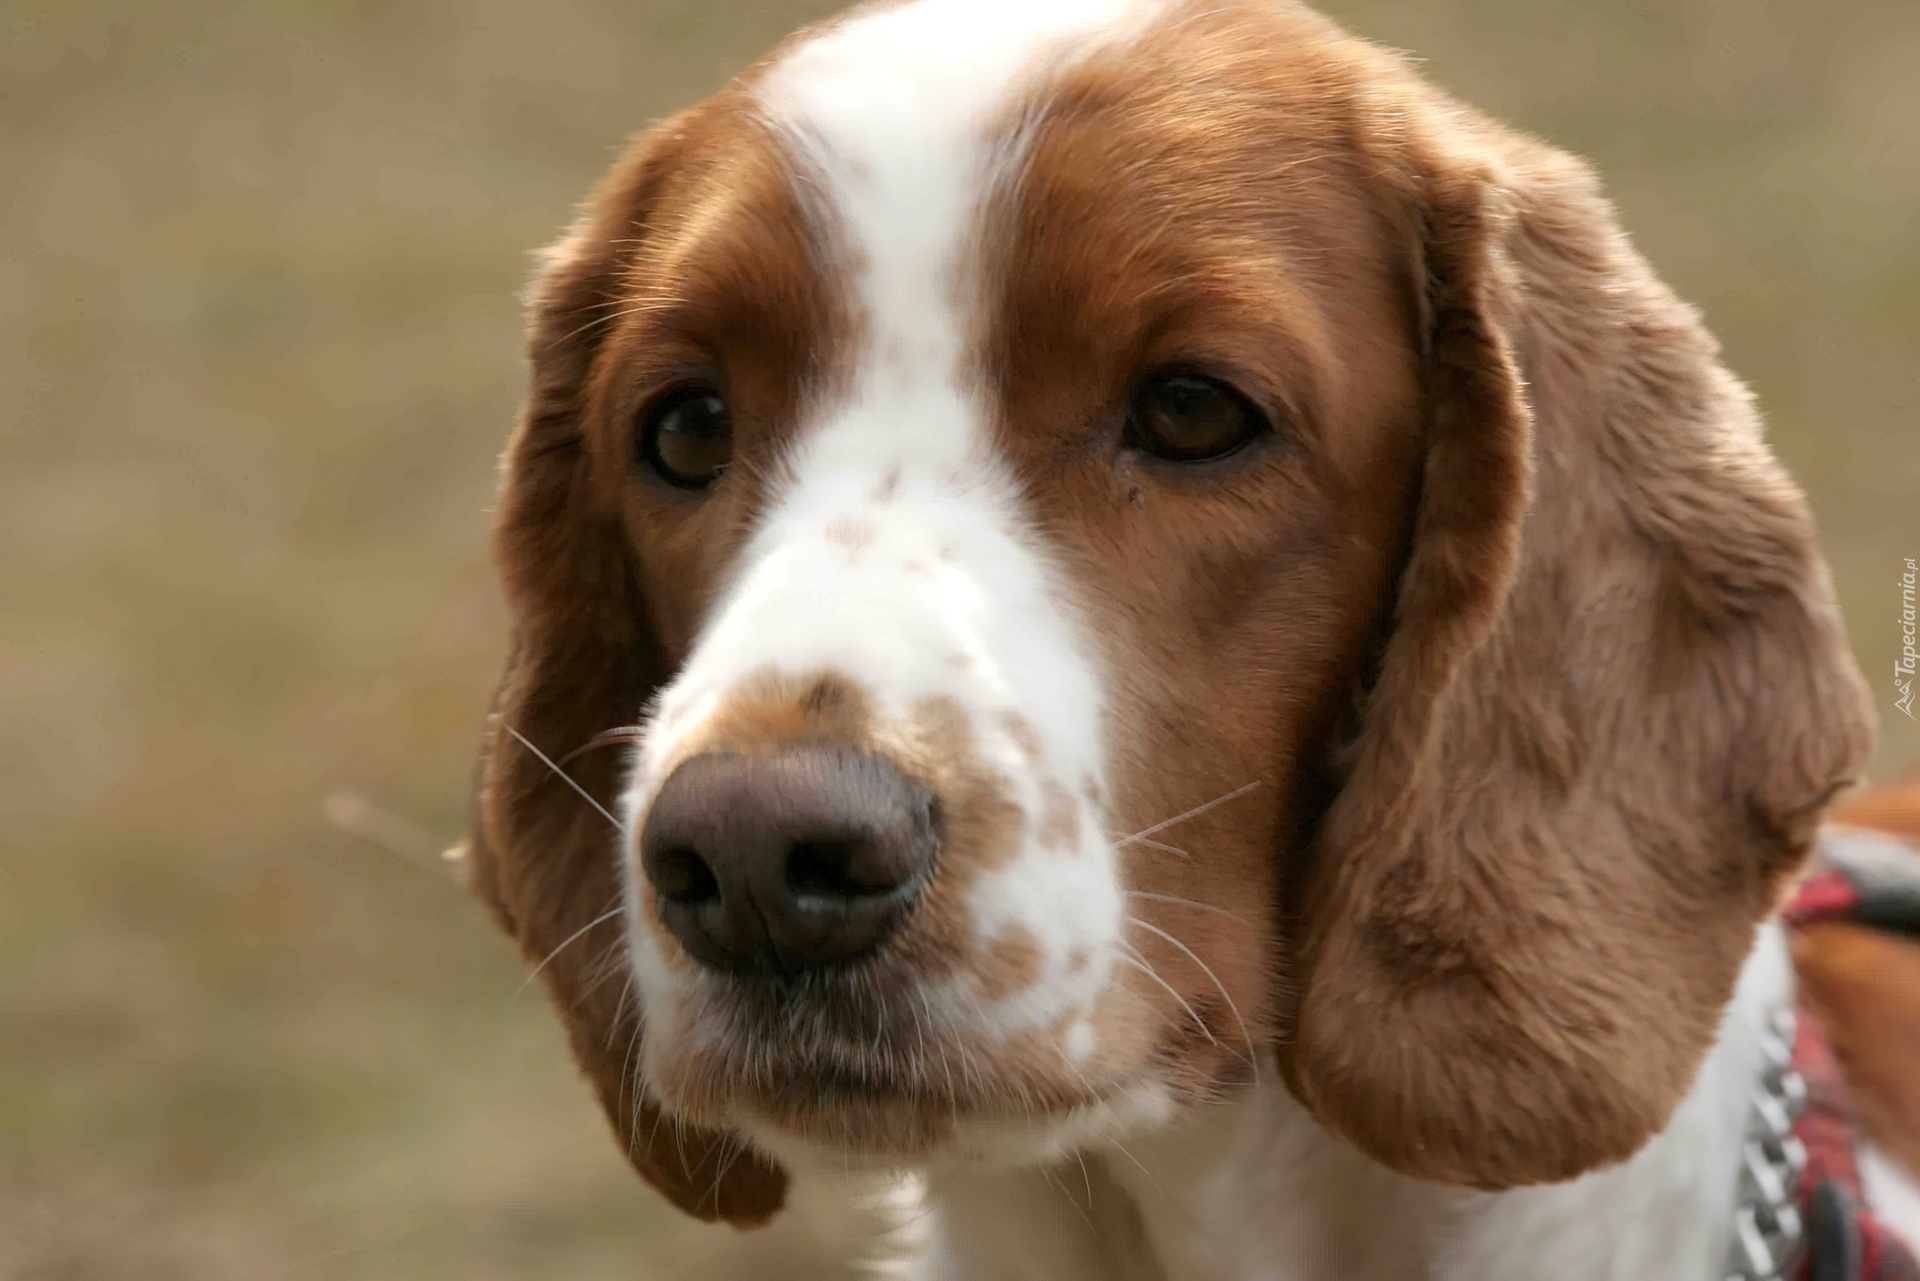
(1254, 1190)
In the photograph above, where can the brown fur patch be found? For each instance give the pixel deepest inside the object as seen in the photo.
(1024, 736)
(771, 711)
(984, 820)
(1059, 828)
(1009, 963)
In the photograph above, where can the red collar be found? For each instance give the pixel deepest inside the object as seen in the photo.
(1844, 1242)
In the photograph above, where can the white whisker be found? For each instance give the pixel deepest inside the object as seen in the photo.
(566, 777)
(1181, 818)
(1121, 1148)
(619, 1008)
(725, 1162)
(1189, 902)
(1253, 1059)
(1140, 963)
(535, 972)
(607, 738)
(1066, 1194)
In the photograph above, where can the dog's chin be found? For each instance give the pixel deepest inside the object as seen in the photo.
(879, 1105)
(822, 1111)
(870, 1128)
(854, 1131)
(826, 1065)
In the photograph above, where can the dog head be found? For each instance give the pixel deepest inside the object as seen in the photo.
(1122, 541)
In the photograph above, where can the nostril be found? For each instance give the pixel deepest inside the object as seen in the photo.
(680, 875)
(843, 869)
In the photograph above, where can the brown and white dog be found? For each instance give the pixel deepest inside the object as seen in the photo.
(1226, 686)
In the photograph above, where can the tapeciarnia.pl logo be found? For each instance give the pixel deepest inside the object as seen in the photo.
(1903, 666)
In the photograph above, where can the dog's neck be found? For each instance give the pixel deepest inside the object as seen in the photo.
(1254, 1188)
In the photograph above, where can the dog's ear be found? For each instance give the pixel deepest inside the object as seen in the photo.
(545, 857)
(1613, 703)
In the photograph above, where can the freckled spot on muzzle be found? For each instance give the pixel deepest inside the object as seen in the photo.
(1010, 963)
(1059, 818)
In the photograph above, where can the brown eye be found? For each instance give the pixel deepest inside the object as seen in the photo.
(687, 437)
(1189, 419)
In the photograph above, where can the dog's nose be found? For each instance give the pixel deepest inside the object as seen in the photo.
(776, 864)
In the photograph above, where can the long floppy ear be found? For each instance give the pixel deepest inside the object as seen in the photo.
(585, 659)
(1614, 701)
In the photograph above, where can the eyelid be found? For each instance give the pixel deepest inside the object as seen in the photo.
(1274, 396)
(674, 396)
(645, 383)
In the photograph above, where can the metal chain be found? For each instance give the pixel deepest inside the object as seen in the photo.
(1768, 1234)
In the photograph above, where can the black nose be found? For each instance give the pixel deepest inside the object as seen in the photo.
(776, 864)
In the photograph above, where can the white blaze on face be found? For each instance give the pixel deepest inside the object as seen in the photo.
(899, 554)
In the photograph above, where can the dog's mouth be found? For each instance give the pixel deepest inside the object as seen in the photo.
(834, 1061)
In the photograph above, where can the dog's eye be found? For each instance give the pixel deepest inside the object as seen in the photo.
(687, 436)
(1189, 419)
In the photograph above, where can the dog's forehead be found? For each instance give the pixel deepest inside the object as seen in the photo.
(904, 120)
(901, 92)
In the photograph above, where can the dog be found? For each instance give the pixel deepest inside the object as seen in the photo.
(1144, 648)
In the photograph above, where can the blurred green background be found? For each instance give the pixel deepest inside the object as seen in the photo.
(258, 349)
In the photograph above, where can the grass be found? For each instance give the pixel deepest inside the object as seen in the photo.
(258, 349)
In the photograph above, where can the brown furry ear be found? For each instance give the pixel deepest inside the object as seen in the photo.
(1614, 702)
(543, 857)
